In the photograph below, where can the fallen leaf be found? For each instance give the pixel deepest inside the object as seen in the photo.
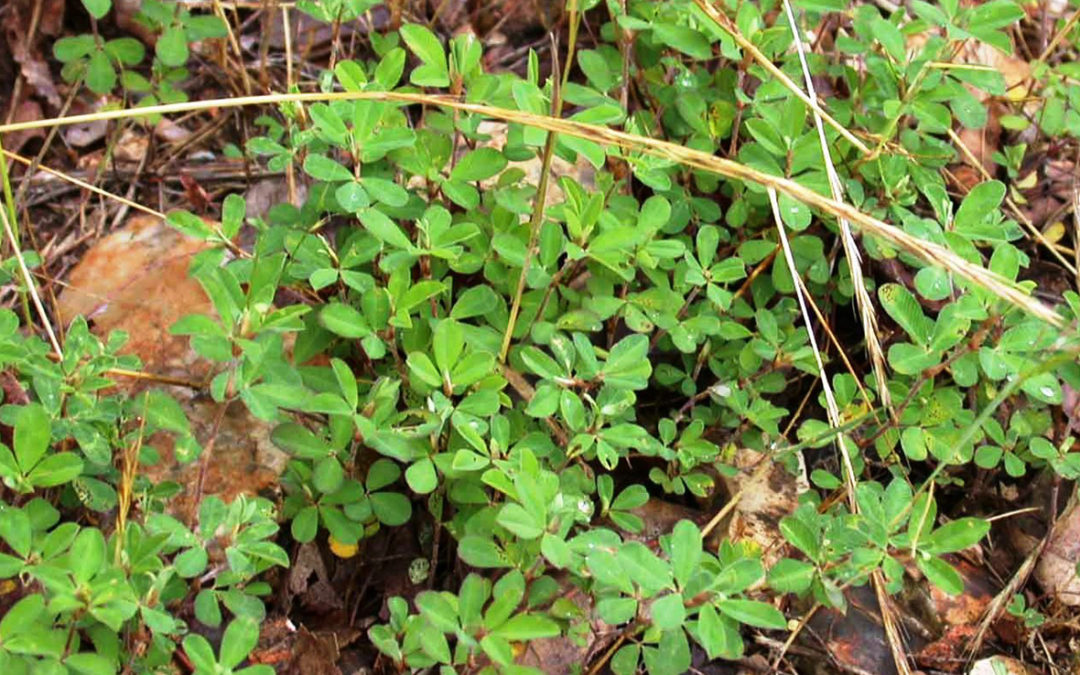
(768, 492)
(1056, 569)
(244, 459)
(999, 665)
(32, 63)
(947, 653)
(566, 654)
(855, 639)
(515, 17)
(27, 111)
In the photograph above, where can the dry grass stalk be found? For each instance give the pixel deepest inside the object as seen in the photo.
(863, 303)
(31, 287)
(811, 101)
(927, 251)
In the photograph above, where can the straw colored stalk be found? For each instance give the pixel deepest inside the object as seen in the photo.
(928, 251)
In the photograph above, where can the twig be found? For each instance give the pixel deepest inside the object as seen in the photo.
(1060, 35)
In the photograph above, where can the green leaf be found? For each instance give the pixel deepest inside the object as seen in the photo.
(434, 644)
(421, 366)
(719, 635)
(515, 518)
(200, 653)
(100, 74)
(753, 613)
(329, 123)
(481, 552)
(128, 51)
(88, 663)
(191, 563)
(905, 310)
(421, 476)
(644, 568)
(299, 441)
(418, 294)
(447, 344)
(524, 627)
(328, 475)
(377, 223)
(190, 224)
(980, 202)
(207, 609)
(957, 535)
(683, 39)
(16, 530)
(933, 283)
(305, 524)
(240, 638)
(97, 8)
(791, 576)
(475, 301)
(321, 167)
(435, 72)
(171, 47)
(628, 365)
(993, 15)
(479, 164)
(68, 49)
(685, 551)
(56, 470)
(800, 536)
(941, 574)
(344, 320)
(391, 508)
(87, 554)
(33, 430)
(668, 612)
(437, 610)
(22, 616)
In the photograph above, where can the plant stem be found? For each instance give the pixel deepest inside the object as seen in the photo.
(545, 176)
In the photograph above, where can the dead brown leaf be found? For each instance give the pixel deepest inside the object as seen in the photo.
(767, 494)
(24, 49)
(24, 112)
(1056, 569)
(999, 665)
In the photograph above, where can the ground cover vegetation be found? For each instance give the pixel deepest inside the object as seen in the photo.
(535, 278)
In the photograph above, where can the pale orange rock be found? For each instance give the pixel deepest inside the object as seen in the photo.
(136, 280)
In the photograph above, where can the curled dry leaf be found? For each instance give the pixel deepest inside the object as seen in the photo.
(768, 492)
(32, 63)
(999, 665)
(1056, 569)
(24, 112)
